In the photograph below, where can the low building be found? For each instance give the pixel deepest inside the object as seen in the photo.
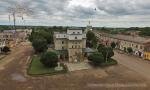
(138, 44)
(12, 37)
(72, 43)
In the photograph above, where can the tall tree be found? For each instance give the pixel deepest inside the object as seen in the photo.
(107, 52)
(100, 47)
(40, 44)
(90, 35)
(113, 45)
(91, 39)
(49, 59)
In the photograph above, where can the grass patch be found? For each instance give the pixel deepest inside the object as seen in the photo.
(37, 68)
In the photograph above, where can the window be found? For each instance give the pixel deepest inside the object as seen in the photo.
(141, 47)
(75, 37)
(136, 46)
(62, 42)
(72, 46)
(75, 46)
(79, 46)
(132, 45)
(73, 32)
(62, 48)
(78, 32)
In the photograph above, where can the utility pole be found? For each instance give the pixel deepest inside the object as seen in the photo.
(14, 19)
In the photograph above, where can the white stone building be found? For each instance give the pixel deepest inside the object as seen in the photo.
(73, 42)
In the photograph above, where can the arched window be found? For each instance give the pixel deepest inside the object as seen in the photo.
(75, 37)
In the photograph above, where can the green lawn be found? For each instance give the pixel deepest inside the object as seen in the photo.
(37, 68)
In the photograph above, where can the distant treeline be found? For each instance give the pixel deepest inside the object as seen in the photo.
(143, 31)
(53, 28)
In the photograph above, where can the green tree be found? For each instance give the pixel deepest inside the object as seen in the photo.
(145, 31)
(47, 35)
(6, 49)
(49, 59)
(94, 42)
(113, 45)
(107, 52)
(91, 39)
(100, 47)
(40, 45)
(130, 50)
(42, 33)
(90, 35)
(96, 58)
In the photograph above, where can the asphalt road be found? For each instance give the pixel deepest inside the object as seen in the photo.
(134, 63)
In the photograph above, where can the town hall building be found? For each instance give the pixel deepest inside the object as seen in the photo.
(73, 42)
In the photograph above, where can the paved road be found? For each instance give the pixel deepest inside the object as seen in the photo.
(134, 63)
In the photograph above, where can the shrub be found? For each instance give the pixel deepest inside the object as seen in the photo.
(96, 58)
(6, 49)
(130, 50)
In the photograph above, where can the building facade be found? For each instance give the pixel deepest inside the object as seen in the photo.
(138, 44)
(73, 42)
(11, 37)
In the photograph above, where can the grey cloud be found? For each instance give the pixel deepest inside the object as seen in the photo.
(124, 7)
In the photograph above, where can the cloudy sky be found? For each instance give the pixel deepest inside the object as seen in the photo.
(108, 13)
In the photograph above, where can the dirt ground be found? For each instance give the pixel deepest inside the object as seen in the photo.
(119, 77)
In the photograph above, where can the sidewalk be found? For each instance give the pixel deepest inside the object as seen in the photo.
(78, 66)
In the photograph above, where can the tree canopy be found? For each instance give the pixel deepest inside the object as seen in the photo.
(40, 44)
(107, 52)
(91, 39)
(49, 59)
(96, 58)
(113, 45)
